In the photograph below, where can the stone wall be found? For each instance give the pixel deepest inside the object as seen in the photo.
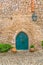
(23, 7)
(15, 16)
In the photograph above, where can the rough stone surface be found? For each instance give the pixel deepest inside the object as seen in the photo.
(22, 58)
(15, 16)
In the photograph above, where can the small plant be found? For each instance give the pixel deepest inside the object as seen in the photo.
(42, 44)
(5, 47)
(32, 46)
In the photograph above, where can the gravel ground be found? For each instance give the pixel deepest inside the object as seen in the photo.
(22, 58)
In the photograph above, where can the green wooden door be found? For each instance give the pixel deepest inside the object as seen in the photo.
(22, 41)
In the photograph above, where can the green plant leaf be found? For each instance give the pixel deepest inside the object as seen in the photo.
(5, 47)
(32, 46)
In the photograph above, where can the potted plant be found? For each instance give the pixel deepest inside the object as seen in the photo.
(42, 44)
(32, 48)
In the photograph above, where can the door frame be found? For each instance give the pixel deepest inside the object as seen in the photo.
(13, 41)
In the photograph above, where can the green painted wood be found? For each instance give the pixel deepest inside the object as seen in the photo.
(22, 41)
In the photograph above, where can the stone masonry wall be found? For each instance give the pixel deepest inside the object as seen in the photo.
(15, 16)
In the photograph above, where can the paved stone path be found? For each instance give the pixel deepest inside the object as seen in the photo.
(22, 58)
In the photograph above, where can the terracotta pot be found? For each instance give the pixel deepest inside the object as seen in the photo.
(14, 50)
(32, 49)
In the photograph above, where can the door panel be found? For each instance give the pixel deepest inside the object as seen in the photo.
(22, 41)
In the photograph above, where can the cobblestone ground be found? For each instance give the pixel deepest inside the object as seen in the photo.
(22, 58)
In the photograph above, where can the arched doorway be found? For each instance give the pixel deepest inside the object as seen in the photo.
(21, 41)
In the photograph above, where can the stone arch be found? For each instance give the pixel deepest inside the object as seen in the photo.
(25, 31)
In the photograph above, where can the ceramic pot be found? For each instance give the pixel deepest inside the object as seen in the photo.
(32, 49)
(14, 50)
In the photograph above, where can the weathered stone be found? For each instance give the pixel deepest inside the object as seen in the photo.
(21, 20)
